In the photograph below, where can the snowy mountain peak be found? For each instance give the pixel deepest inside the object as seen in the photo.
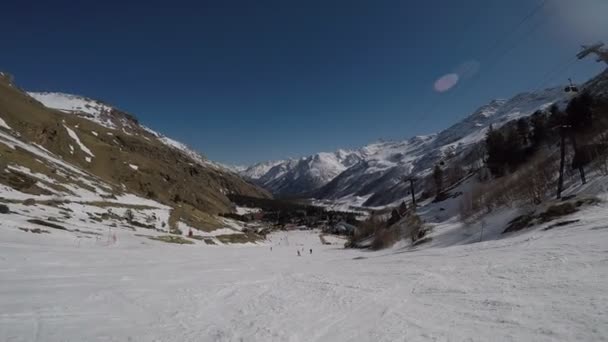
(301, 175)
(258, 170)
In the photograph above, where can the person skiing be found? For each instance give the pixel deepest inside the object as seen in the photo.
(311, 251)
(298, 252)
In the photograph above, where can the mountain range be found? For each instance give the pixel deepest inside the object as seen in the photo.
(372, 175)
(112, 146)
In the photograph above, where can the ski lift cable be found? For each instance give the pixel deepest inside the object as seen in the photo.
(505, 37)
(466, 89)
(526, 35)
(467, 27)
(557, 70)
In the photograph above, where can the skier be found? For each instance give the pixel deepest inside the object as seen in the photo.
(311, 251)
(298, 252)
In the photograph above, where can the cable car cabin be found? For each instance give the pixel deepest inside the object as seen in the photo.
(571, 89)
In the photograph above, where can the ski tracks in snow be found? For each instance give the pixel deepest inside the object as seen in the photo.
(541, 286)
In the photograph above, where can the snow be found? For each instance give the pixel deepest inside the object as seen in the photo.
(234, 168)
(352, 204)
(258, 170)
(540, 286)
(95, 133)
(75, 178)
(27, 171)
(74, 136)
(3, 124)
(38, 151)
(67, 103)
(304, 174)
(245, 211)
(185, 228)
(134, 167)
(181, 147)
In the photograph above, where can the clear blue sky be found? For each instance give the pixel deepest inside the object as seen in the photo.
(246, 81)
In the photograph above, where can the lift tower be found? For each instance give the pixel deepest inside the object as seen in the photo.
(598, 49)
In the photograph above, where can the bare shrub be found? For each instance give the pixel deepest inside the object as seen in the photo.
(558, 210)
(536, 180)
(601, 155)
(385, 238)
(601, 164)
(453, 175)
(471, 203)
(366, 229)
(412, 227)
(530, 184)
(129, 216)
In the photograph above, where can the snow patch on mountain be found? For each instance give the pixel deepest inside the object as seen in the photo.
(3, 124)
(94, 110)
(75, 137)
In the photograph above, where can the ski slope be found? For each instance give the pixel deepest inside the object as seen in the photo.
(534, 286)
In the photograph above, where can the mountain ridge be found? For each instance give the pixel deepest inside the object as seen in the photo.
(379, 166)
(112, 147)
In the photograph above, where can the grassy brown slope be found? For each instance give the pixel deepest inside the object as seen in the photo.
(164, 174)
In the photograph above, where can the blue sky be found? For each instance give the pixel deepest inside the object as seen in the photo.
(247, 81)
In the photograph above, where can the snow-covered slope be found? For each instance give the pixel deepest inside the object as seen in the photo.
(92, 109)
(534, 286)
(258, 170)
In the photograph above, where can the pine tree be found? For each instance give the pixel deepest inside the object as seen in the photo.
(438, 179)
(495, 148)
(578, 113)
(539, 129)
(513, 149)
(395, 217)
(557, 117)
(523, 130)
(403, 207)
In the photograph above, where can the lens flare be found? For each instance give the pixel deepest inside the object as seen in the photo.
(467, 69)
(446, 82)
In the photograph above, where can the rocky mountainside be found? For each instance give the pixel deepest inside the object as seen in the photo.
(64, 147)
